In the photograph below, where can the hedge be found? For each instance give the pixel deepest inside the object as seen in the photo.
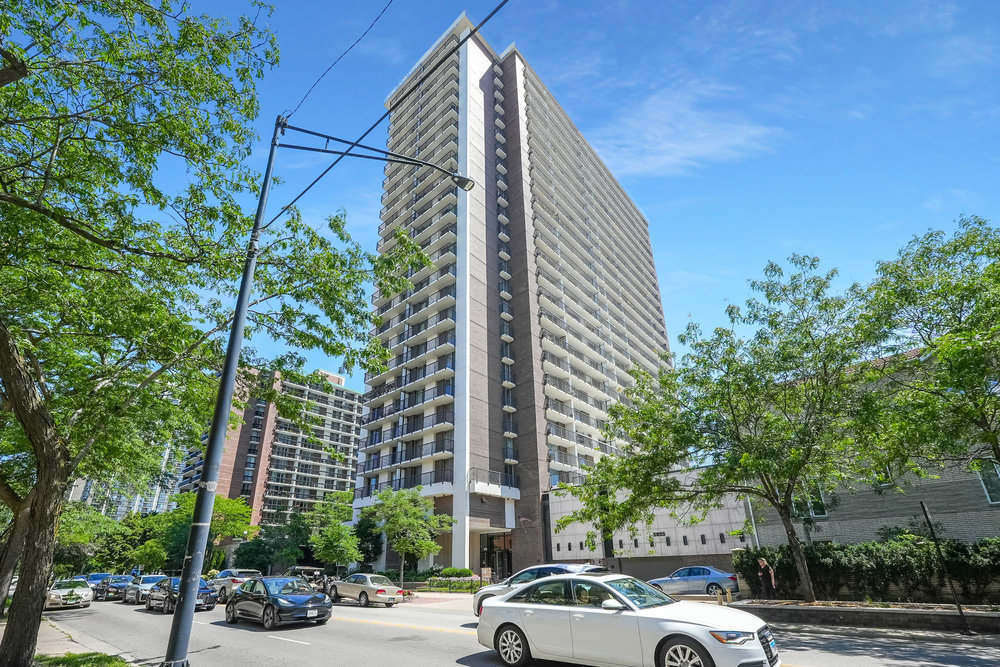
(903, 569)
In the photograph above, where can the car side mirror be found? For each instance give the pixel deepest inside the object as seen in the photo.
(612, 605)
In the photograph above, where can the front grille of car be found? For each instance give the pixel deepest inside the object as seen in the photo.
(765, 637)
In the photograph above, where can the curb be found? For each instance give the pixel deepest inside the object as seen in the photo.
(888, 633)
(89, 643)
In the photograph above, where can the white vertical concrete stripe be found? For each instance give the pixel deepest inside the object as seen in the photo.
(460, 499)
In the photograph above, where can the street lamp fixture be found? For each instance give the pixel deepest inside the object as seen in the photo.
(194, 557)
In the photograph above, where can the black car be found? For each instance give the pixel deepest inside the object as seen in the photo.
(277, 600)
(113, 587)
(164, 593)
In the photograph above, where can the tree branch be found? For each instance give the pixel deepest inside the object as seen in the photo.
(14, 70)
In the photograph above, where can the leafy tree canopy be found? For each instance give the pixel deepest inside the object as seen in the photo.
(936, 310)
(775, 415)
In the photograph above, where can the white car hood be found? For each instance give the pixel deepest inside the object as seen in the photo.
(711, 616)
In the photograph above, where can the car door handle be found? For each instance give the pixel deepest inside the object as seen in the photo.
(529, 613)
(579, 616)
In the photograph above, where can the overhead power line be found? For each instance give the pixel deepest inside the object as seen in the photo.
(388, 111)
(316, 82)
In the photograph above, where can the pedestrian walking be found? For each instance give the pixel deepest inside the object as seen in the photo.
(767, 581)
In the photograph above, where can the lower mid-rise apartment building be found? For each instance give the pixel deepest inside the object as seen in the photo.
(270, 463)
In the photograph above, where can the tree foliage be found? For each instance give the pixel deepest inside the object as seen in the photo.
(409, 523)
(275, 547)
(777, 415)
(936, 310)
(124, 131)
(369, 541)
(333, 542)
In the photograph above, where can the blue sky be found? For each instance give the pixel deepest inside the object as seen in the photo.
(744, 131)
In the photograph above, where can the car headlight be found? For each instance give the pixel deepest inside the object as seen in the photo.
(284, 603)
(732, 637)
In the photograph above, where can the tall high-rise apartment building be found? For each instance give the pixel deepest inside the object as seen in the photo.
(508, 350)
(117, 503)
(268, 462)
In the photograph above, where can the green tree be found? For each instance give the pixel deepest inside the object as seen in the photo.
(77, 538)
(409, 523)
(115, 282)
(936, 309)
(230, 518)
(774, 416)
(369, 541)
(333, 542)
(150, 556)
(276, 546)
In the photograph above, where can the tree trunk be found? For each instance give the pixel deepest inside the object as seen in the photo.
(12, 553)
(17, 648)
(797, 554)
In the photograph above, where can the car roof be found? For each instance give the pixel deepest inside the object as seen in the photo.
(600, 576)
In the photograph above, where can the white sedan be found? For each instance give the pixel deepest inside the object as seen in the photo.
(613, 619)
(69, 593)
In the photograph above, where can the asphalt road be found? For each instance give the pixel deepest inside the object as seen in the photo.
(441, 632)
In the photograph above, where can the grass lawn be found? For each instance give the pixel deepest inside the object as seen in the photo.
(81, 660)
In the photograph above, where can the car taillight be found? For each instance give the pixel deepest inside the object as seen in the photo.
(380, 591)
(237, 581)
(399, 592)
(733, 577)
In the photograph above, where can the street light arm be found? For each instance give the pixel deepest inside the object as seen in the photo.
(459, 180)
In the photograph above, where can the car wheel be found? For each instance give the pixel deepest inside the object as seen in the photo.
(334, 595)
(479, 612)
(714, 589)
(223, 596)
(388, 605)
(511, 646)
(363, 599)
(85, 605)
(269, 618)
(167, 607)
(231, 614)
(149, 603)
(680, 652)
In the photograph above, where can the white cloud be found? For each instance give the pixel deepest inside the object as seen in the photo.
(676, 130)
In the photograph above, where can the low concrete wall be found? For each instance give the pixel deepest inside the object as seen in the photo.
(875, 617)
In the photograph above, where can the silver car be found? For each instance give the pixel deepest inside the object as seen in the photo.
(696, 580)
(136, 592)
(366, 588)
(526, 575)
(69, 593)
(228, 581)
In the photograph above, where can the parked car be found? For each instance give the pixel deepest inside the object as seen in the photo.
(275, 601)
(227, 580)
(695, 580)
(526, 575)
(136, 592)
(113, 587)
(614, 619)
(95, 578)
(366, 588)
(307, 572)
(164, 594)
(69, 593)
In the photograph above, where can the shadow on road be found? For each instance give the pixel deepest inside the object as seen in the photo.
(926, 654)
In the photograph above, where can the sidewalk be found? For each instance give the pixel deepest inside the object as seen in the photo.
(54, 640)
(937, 636)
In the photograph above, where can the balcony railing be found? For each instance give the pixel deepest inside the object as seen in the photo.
(406, 482)
(493, 477)
(378, 462)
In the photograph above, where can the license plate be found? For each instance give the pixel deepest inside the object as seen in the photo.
(392, 599)
(312, 612)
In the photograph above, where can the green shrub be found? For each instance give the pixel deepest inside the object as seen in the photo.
(905, 568)
(452, 572)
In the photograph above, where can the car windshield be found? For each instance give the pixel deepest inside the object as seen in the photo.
(379, 580)
(121, 579)
(294, 586)
(76, 583)
(98, 577)
(151, 579)
(639, 593)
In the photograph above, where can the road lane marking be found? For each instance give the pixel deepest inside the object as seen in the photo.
(286, 639)
(201, 622)
(404, 625)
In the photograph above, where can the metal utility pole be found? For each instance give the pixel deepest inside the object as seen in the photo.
(944, 568)
(194, 558)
